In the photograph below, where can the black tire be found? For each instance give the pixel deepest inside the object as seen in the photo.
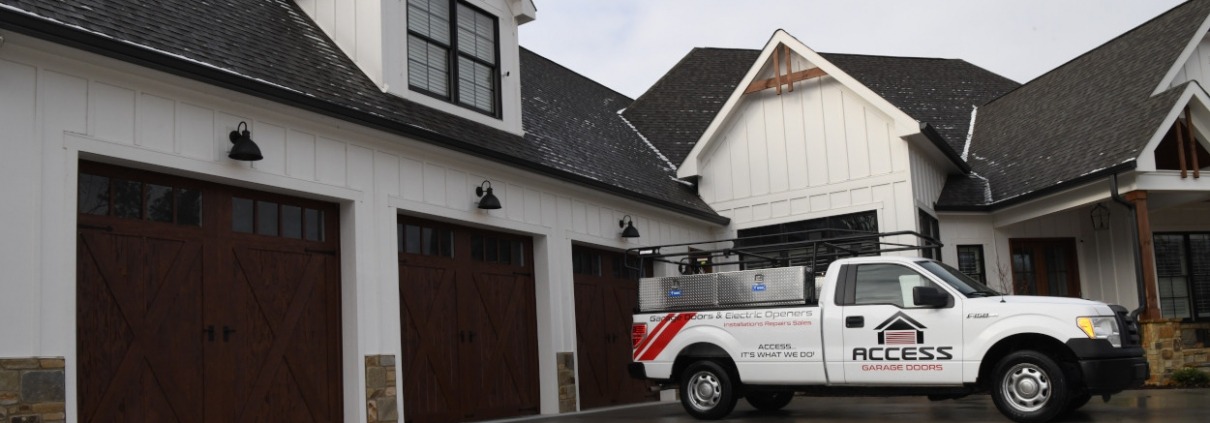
(769, 400)
(707, 391)
(1029, 387)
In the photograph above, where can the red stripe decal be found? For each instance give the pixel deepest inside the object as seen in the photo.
(652, 335)
(673, 329)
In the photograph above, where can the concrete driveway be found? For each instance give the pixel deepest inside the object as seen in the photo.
(1152, 405)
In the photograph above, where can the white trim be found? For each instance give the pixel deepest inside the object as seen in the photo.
(970, 133)
(1146, 158)
(904, 124)
(1184, 57)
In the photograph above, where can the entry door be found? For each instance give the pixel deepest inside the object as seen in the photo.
(1045, 266)
(468, 321)
(184, 317)
(888, 338)
(606, 294)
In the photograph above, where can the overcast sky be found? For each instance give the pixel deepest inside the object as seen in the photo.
(628, 44)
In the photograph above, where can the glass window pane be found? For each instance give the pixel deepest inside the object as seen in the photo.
(476, 85)
(427, 242)
(291, 221)
(314, 222)
(92, 194)
(430, 18)
(127, 198)
(266, 218)
(447, 243)
(506, 251)
(477, 247)
(519, 253)
(411, 239)
(428, 66)
(189, 207)
(491, 246)
(398, 237)
(159, 203)
(241, 215)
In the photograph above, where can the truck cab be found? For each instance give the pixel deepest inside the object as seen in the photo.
(837, 317)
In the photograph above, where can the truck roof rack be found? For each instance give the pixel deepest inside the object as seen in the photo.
(814, 249)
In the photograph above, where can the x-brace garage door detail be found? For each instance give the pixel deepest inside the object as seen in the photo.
(469, 328)
(192, 307)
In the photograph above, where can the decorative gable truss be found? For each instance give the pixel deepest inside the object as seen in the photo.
(1180, 144)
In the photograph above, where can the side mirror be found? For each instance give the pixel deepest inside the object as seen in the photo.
(930, 296)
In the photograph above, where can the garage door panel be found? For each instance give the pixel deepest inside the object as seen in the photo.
(590, 344)
(137, 341)
(430, 329)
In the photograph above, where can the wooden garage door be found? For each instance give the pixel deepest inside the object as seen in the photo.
(469, 329)
(606, 294)
(203, 303)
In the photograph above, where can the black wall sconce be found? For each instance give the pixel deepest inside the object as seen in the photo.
(243, 149)
(487, 200)
(1100, 217)
(628, 223)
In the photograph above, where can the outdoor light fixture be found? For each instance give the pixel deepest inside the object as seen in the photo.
(1100, 217)
(487, 200)
(243, 149)
(630, 231)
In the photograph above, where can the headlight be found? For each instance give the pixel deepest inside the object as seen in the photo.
(1101, 327)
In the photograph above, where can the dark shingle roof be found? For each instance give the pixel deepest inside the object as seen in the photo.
(675, 112)
(579, 120)
(939, 92)
(271, 49)
(1092, 115)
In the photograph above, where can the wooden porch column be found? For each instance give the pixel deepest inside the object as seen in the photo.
(1147, 253)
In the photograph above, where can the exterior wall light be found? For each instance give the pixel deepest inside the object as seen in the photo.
(1100, 217)
(487, 200)
(628, 223)
(243, 149)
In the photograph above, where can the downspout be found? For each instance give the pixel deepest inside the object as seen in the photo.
(1138, 254)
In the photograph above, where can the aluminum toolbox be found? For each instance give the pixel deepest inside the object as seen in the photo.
(761, 287)
(776, 286)
(685, 292)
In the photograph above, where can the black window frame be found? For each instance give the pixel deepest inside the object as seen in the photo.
(1193, 294)
(929, 227)
(981, 264)
(453, 53)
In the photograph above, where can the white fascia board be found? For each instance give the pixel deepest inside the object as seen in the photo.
(1080, 196)
(1146, 159)
(524, 11)
(904, 125)
(1179, 64)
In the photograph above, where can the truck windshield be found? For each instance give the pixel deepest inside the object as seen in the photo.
(964, 284)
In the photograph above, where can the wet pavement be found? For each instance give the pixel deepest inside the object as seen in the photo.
(1148, 405)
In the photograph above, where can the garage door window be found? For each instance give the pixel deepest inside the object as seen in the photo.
(132, 199)
(271, 218)
(497, 250)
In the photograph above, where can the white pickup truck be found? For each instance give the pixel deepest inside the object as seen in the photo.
(871, 326)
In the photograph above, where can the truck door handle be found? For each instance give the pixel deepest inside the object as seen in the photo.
(854, 321)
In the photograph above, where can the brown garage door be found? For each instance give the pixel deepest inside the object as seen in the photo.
(469, 329)
(606, 293)
(203, 303)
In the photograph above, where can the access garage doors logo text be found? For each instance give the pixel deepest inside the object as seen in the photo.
(901, 336)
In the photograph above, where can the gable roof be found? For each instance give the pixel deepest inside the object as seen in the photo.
(675, 112)
(273, 50)
(1086, 119)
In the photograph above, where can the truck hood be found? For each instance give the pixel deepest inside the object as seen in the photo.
(1021, 300)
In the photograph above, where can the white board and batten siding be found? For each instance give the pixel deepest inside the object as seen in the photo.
(1196, 67)
(59, 106)
(818, 151)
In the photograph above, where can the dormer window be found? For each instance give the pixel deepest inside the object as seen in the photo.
(453, 54)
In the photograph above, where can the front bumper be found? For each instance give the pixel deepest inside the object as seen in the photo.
(1109, 370)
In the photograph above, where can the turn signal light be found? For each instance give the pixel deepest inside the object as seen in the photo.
(637, 332)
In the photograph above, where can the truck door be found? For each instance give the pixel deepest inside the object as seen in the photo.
(888, 338)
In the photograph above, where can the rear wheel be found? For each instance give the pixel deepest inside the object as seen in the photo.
(769, 400)
(707, 391)
(1029, 387)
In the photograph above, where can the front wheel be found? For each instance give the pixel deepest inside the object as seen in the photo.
(707, 391)
(1029, 387)
(769, 400)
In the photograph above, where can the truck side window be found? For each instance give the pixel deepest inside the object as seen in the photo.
(887, 284)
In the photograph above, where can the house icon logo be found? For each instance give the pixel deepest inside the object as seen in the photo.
(900, 330)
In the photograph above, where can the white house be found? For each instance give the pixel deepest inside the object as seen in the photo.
(283, 210)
